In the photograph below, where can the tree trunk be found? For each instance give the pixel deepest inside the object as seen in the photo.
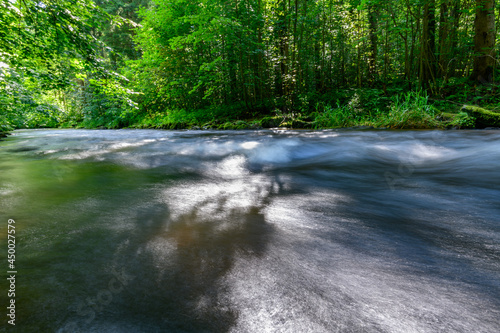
(373, 14)
(428, 57)
(257, 59)
(444, 30)
(484, 41)
(455, 19)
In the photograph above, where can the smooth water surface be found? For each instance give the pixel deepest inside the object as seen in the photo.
(265, 231)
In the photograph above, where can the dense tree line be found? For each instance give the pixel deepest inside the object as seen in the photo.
(283, 53)
(116, 63)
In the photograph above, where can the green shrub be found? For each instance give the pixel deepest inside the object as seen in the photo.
(463, 120)
(409, 110)
(341, 116)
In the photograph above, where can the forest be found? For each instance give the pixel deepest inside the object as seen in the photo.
(237, 166)
(236, 64)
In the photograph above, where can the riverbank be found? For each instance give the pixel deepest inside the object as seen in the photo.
(467, 117)
(411, 110)
(399, 117)
(358, 108)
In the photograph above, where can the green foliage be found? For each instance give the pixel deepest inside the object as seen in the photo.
(118, 33)
(101, 103)
(212, 117)
(42, 44)
(36, 34)
(22, 105)
(463, 120)
(340, 116)
(409, 110)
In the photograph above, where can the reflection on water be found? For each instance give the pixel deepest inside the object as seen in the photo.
(328, 231)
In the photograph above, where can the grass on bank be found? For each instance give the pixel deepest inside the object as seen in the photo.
(411, 110)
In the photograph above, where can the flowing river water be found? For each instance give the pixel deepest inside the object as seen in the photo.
(252, 231)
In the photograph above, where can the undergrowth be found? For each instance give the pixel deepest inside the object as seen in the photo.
(376, 108)
(409, 110)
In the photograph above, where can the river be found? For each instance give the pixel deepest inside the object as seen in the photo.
(252, 231)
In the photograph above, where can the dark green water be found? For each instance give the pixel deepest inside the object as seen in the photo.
(333, 231)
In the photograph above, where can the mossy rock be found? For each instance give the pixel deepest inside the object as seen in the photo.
(484, 118)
